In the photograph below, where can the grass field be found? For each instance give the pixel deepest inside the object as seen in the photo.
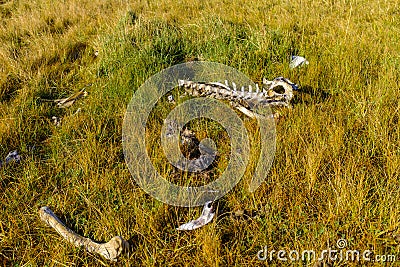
(337, 164)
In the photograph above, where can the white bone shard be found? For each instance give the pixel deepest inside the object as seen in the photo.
(181, 83)
(297, 61)
(68, 101)
(206, 216)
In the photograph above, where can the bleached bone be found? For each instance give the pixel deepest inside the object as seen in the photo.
(297, 61)
(245, 100)
(110, 250)
(245, 111)
(68, 101)
(206, 216)
(266, 82)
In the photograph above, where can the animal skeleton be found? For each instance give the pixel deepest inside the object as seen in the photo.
(245, 101)
(248, 100)
(110, 250)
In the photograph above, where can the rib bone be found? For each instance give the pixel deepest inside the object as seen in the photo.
(110, 250)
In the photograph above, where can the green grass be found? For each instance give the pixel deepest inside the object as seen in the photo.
(337, 165)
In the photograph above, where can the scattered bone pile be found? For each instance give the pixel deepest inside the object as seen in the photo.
(245, 100)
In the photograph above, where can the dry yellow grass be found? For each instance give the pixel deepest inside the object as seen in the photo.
(337, 166)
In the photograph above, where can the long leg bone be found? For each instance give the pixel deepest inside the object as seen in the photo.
(110, 250)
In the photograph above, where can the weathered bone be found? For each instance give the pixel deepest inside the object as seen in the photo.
(244, 110)
(198, 156)
(171, 99)
(201, 156)
(68, 101)
(110, 250)
(297, 61)
(206, 216)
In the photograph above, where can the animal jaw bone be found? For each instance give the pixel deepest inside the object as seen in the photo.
(244, 100)
(110, 250)
(206, 216)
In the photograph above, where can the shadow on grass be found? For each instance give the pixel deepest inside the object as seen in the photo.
(308, 94)
(10, 87)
